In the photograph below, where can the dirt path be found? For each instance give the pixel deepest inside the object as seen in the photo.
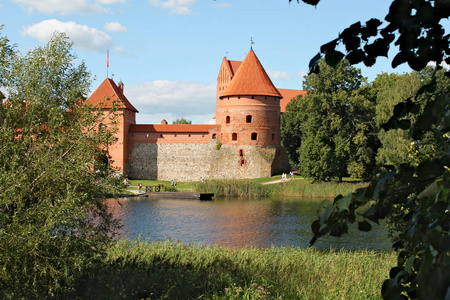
(276, 181)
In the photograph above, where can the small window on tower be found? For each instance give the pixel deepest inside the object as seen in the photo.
(234, 136)
(214, 136)
(228, 119)
(249, 119)
(273, 136)
(254, 136)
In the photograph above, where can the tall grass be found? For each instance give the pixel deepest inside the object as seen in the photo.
(233, 188)
(296, 188)
(305, 188)
(167, 270)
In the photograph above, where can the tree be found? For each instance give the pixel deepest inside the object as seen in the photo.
(53, 222)
(291, 135)
(335, 122)
(415, 197)
(391, 90)
(182, 121)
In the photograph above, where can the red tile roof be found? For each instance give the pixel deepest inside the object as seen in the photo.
(288, 95)
(108, 89)
(234, 66)
(251, 79)
(178, 128)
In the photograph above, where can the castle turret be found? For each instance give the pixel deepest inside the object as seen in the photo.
(249, 107)
(107, 95)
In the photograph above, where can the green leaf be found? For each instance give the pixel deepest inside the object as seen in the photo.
(430, 191)
(313, 63)
(326, 215)
(333, 58)
(323, 205)
(399, 59)
(344, 203)
(315, 227)
(355, 56)
(381, 183)
(364, 226)
(409, 263)
(360, 211)
(328, 47)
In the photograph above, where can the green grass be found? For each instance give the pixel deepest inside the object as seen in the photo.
(167, 270)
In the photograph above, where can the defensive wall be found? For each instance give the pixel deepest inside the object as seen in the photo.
(193, 161)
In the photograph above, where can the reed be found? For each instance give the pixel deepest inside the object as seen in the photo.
(292, 188)
(307, 189)
(169, 270)
(233, 188)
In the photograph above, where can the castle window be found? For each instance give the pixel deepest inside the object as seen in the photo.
(175, 135)
(241, 152)
(241, 162)
(273, 136)
(228, 119)
(214, 136)
(189, 135)
(248, 119)
(161, 135)
(254, 136)
(234, 136)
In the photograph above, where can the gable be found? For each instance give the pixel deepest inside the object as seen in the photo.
(107, 93)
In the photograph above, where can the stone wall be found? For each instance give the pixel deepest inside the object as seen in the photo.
(191, 162)
(183, 162)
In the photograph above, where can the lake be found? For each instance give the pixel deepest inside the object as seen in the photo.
(235, 222)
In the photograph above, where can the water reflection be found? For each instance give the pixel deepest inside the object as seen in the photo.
(234, 222)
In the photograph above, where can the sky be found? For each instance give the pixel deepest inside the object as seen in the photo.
(168, 52)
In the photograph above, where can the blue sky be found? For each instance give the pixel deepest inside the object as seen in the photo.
(168, 52)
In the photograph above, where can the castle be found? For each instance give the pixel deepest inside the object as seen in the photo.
(245, 142)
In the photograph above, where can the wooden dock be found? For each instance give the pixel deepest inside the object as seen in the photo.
(180, 195)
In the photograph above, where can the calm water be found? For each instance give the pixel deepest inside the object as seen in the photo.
(234, 222)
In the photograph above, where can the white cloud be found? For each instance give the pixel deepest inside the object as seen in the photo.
(222, 5)
(162, 99)
(175, 7)
(148, 118)
(122, 51)
(301, 74)
(111, 1)
(115, 27)
(83, 37)
(65, 7)
(278, 75)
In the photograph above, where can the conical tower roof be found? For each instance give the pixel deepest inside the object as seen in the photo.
(107, 93)
(251, 80)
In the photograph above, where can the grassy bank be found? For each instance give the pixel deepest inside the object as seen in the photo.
(292, 188)
(165, 270)
(259, 188)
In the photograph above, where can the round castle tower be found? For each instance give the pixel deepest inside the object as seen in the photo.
(248, 106)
